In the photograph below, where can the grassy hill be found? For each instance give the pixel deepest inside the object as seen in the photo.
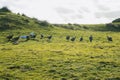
(58, 59)
(12, 21)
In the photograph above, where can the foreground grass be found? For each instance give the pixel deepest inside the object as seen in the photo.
(60, 59)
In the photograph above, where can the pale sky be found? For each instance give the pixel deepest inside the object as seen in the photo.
(67, 11)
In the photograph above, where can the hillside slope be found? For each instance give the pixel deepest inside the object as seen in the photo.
(11, 21)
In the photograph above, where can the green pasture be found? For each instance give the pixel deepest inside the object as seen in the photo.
(59, 59)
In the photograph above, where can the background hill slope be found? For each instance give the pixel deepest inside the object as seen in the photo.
(12, 21)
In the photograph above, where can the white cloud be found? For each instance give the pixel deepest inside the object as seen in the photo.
(66, 11)
(109, 15)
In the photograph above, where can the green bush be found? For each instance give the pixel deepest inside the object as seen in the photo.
(4, 9)
(116, 20)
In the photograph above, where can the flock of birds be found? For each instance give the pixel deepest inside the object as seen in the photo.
(109, 38)
(13, 39)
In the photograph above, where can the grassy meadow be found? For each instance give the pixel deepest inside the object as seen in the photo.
(59, 59)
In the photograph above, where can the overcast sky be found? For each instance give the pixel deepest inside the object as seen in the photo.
(67, 11)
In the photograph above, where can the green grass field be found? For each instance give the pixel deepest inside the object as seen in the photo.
(60, 59)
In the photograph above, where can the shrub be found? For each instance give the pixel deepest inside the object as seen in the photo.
(4, 9)
(116, 20)
(44, 23)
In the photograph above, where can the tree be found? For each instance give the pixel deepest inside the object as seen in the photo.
(116, 20)
(44, 23)
(4, 9)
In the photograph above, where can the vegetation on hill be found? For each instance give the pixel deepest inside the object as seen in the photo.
(4, 9)
(10, 21)
(93, 27)
(116, 20)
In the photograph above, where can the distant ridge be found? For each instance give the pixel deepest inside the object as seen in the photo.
(12, 21)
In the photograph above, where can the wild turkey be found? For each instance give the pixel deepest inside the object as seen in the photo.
(33, 35)
(81, 38)
(9, 37)
(49, 37)
(41, 36)
(73, 39)
(15, 39)
(67, 37)
(109, 38)
(91, 38)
